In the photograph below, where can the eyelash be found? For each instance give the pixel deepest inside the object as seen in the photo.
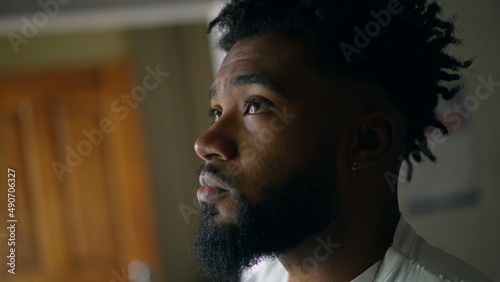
(263, 102)
(213, 111)
(252, 99)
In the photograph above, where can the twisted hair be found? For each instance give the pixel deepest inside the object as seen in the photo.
(406, 56)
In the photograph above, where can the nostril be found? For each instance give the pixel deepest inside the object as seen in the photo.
(212, 156)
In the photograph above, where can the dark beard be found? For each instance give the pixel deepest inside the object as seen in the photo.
(291, 210)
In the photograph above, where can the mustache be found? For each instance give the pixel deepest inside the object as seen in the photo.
(216, 172)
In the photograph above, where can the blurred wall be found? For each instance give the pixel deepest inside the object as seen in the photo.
(63, 51)
(174, 115)
(471, 233)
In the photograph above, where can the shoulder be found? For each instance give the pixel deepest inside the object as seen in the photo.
(411, 258)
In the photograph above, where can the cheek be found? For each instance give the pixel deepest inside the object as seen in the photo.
(263, 134)
(267, 155)
(259, 162)
(267, 141)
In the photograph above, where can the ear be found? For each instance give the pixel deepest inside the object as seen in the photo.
(374, 139)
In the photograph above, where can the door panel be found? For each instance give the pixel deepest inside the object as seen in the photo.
(83, 205)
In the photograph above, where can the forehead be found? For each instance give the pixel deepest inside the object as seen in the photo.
(269, 45)
(279, 57)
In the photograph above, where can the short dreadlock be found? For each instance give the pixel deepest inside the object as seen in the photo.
(407, 56)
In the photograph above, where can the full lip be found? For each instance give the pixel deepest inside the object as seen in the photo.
(211, 188)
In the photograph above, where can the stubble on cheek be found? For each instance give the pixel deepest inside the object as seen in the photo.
(260, 165)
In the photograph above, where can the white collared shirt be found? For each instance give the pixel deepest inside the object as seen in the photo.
(409, 258)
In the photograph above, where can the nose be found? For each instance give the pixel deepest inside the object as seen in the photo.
(216, 143)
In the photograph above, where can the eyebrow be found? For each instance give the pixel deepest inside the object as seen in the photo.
(248, 79)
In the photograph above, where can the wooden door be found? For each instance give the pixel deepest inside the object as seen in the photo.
(81, 203)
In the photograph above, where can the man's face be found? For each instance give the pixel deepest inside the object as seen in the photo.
(268, 180)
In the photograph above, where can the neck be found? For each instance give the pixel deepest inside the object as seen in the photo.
(345, 249)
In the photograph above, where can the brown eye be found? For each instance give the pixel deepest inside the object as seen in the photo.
(257, 106)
